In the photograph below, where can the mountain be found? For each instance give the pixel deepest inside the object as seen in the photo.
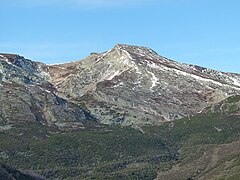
(134, 85)
(127, 113)
(128, 85)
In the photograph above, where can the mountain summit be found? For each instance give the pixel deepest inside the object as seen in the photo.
(126, 85)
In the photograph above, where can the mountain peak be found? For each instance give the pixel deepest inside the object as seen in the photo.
(128, 46)
(135, 50)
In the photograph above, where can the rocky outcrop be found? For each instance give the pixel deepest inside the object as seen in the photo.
(26, 96)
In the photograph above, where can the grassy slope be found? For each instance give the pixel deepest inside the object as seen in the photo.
(206, 142)
(116, 151)
(200, 146)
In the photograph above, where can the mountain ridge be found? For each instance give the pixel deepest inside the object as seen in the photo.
(127, 82)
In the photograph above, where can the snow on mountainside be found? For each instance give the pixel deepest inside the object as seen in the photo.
(134, 85)
(126, 85)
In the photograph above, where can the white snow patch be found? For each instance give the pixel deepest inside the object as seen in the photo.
(154, 80)
(113, 75)
(152, 65)
(8, 61)
(140, 54)
(138, 82)
(137, 70)
(117, 85)
(103, 55)
(126, 61)
(201, 110)
(129, 56)
(166, 118)
(197, 77)
(236, 82)
(54, 64)
(48, 91)
(186, 74)
(145, 101)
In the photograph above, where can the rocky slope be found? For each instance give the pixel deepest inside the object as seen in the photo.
(26, 96)
(128, 85)
(134, 85)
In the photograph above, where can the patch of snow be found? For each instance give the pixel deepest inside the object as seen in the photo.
(6, 59)
(126, 61)
(166, 118)
(117, 85)
(140, 54)
(145, 101)
(48, 91)
(103, 55)
(154, 80)
(54, 64)
(152, 65)
(186, 74)
(201, 110)
(129, 56)
(137, 70)
(197, 77)
(236, 82)
(113, 75)
(138, 82)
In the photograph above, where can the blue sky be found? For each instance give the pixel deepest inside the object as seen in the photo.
(202, 32)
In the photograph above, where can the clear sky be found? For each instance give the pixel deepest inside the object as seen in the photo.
(202, 32)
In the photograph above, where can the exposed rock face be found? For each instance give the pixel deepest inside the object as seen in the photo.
(15, 68)
(134, 85)
(230, 106)
(27, 96)
(126, 85)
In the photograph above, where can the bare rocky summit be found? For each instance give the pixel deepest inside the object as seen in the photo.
(128, 85)
(134, 85)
